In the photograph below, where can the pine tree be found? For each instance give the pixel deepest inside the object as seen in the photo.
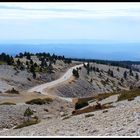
(75, 73)
(35, 65)
(18, 62)
(34, 75)
(137, 77)
(122, 80)
(111, 73)
(88, 71)
(118, 69)
(28, 56)
(31, 62)
(97, 70)
(27, 63)
(91, 80)
(125, 74)
(131, 72)
(28, 113)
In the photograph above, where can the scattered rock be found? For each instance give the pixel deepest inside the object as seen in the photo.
(89, 115)
(46, 110)
(62, 114)
(104, 111)
(47, 117)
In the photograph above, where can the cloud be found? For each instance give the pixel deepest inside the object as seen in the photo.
(41, 9)
(68, 10)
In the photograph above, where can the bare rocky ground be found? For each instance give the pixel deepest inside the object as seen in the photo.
(13, 115)
(121, 120)
(83, 87)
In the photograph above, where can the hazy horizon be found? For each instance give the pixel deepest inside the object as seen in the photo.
(94, 30)
(124, 51)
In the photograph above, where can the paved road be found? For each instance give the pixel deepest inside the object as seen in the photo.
(42, 88)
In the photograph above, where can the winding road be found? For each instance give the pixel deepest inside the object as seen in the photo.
(43, 87)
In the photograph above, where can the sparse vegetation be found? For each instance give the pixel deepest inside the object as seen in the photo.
(29, 119)
(39, 101)
(12, 91)
(7, 103)
(88, 109)
(129, 95)
(102, 96)
(28, 123)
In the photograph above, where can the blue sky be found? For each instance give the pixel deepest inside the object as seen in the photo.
(67, 22)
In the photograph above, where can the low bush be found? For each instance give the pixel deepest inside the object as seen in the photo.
(81, 104)
(39, 101)
(12, 91)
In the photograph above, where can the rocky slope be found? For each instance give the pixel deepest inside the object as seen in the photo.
(121, 120)
(98, 82)
(13, 115)
(23, 79)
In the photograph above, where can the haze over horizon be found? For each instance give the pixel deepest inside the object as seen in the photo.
(74, 23)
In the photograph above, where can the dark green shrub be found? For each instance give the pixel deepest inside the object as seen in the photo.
(39, 101)
(80, 105)
(75, 73)
(13, 91)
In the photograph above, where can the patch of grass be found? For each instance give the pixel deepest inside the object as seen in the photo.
(86, 99)
(104, 96)
(39, 101)
(1, 62)
(99, 97)
(27, 123)
(129, 95)
(93, 108)
(7, 103)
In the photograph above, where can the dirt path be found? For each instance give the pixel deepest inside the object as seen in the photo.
(42, 89)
